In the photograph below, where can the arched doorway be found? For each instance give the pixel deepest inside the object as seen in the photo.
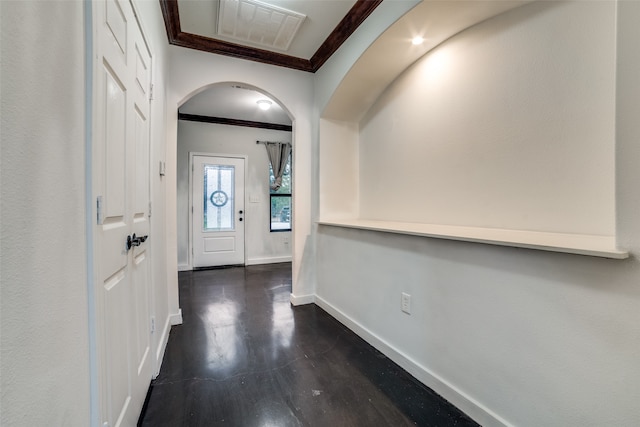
(222, 123)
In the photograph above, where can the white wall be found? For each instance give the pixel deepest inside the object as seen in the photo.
(525, 141)
(193, 71)
(339, 190)
(44, 348)
(336, 193)
(512, 336)
(262, 246)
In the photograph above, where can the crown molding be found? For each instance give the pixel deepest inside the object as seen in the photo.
(352, 20)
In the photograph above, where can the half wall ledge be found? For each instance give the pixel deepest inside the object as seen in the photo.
(579, 244)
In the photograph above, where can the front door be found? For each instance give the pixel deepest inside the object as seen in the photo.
(120, 172)
(218, 211)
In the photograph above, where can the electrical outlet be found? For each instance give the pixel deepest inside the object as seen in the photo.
(405, 304)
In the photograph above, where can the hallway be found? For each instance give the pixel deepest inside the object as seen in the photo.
(245, 357)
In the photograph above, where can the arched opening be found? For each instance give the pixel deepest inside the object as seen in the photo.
(393, 130)
(224, 121)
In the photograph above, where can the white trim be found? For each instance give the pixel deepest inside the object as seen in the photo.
(462, 401)
(162, 346)
(184, 267)
(92, 322)
(176, 319)
(302, 299)
(579, 244)
(269, 260)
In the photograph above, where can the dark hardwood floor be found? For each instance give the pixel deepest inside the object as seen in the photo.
(245, 357)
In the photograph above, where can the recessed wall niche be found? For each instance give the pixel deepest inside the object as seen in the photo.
(503, 134)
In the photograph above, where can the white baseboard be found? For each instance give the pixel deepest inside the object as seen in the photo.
(302, 299)
(268, 260)
(465, 403)
(176, 319)
(162, 346)
(184, 267)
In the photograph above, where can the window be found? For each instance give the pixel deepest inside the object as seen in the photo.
(281, 200)
(218, 198)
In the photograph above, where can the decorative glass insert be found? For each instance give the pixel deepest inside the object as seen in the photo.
(218, 198)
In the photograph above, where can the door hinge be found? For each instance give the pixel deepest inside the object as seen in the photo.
(99, 214)
(149, 209)
(153, 324)
(151, 92)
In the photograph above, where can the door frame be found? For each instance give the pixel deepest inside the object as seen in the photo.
(192, 154)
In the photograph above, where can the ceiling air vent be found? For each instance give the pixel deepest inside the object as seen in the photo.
(258, 23)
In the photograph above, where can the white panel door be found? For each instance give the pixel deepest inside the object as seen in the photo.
(121, 185)
(218, 211)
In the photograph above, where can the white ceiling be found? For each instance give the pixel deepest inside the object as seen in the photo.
(232, 102)
(322, 16)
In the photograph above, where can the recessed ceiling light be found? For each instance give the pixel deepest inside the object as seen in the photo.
(417, 40)
(264, 104)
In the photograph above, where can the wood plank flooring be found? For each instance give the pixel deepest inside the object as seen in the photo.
(245, 357)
